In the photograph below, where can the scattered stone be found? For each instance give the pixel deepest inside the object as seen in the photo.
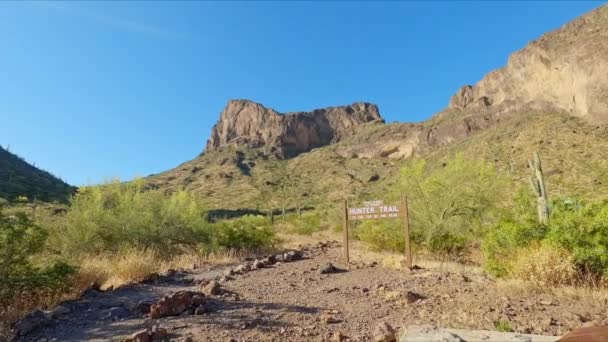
(32, 321)
(158, 333)
(328, 268)
(269, 260)
(213, 288)
(60, 310)
(384, 332)
(545, 302)
(169, 273)
(198, 300)
(116, 313)
(240, 269)
(201, 310)
(292, 256)
(257, 264)
(413, 297)
(229, 272)
(143, 307)
(226, 278)
(172, 305)
(140, 336)
(338, 336)
(279, 258)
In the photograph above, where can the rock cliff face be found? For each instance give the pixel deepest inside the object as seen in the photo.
(565, 70)
(246, 123)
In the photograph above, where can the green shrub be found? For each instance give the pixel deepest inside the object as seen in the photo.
(381, 235)
(119, 216)
(247, 232)
(582, 229)
(503, 326)
(306, 224)
(453, 204)
(579, 230)
(21, 241)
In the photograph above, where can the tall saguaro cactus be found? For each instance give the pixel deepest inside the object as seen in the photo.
(537, 183)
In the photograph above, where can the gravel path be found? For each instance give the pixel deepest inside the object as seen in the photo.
(306, 300)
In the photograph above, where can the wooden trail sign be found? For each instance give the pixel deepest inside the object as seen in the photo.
(374, 210)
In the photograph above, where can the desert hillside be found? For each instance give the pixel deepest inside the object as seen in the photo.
(19, 178)
(551, 97)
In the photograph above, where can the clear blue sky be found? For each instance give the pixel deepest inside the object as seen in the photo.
(96, 90)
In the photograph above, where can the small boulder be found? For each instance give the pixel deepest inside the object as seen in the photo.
(158, 333)
(413, 297)
(172, 305)
(140, 336)
(169, 273)
(213, 288)
(328, 268)
(33, 321)
(143, 306)
(198, 299)
(279, 258)
(60, 310)
(384, 332)
(240, 269)
(257, 264)
(116, 313)
(226, 278)
(201, 310)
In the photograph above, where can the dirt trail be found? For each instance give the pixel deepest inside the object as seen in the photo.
(295, 301)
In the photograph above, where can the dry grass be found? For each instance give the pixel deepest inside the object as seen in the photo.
(109, 270)
(545, 266)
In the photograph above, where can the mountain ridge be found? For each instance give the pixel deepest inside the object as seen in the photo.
(534, 91)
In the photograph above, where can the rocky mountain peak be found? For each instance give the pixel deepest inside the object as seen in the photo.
(562, 71)
(247, 123)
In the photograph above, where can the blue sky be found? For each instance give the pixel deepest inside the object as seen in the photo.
(97, 90)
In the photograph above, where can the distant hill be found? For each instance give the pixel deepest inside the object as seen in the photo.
(551, 97)
(19, 178)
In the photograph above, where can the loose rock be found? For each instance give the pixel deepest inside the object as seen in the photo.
(60, 310)
(34, 320)
(213, 288)
(328, 268)
(384, 332)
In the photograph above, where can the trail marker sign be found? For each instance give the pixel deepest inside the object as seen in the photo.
(374, 210)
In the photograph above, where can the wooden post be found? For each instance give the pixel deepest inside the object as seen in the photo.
(346, 255)
(406, 231)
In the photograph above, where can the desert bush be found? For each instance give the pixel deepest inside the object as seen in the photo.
(306, 224)
(381, 235)
(20, 242)
(544, 265)
(247, 232)
(119, 216)
(453, 204)
(578, 229)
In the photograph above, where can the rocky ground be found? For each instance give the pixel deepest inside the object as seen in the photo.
(307, 295)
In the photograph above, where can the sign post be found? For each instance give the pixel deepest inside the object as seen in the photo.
(346, 256)
(406, 230)
(372, 210)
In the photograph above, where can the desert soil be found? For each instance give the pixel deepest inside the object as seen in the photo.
(295, 302)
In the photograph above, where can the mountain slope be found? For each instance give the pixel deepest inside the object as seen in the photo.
(19, 178)
(551, 97)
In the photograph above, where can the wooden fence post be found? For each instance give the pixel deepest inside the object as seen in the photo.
(406, 231)
(346, 254)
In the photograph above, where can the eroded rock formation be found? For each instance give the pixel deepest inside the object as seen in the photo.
(246, 123)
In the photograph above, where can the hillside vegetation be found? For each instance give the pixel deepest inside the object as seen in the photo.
(574, 153)
(20, 180)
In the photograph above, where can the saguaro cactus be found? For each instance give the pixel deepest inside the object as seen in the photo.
(537, 183)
